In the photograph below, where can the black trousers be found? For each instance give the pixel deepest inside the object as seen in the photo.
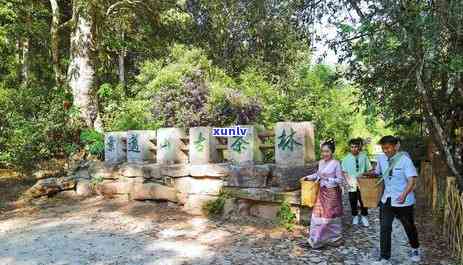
(406, 216)
(355, 199)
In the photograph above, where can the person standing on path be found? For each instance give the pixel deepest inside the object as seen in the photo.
(398, 199)
(326, 220)
(354, 165)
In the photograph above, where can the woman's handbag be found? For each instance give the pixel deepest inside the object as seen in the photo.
(309, 192)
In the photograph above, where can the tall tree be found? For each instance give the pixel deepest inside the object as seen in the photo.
(81, 71)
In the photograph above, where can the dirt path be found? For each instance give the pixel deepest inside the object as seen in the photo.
(104, 232)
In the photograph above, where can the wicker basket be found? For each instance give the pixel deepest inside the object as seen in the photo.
(370, 191)
(309, 192)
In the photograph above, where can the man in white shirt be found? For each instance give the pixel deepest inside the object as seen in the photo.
(398, 200)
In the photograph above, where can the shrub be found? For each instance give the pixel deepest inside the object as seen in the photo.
(285, 216)
(215, 207)
(93, 142)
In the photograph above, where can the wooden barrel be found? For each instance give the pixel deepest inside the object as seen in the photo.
(309, 192)
(371, 191)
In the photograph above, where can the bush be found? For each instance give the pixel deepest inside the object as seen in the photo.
(93, 142)
(215, 208)
(285, 216)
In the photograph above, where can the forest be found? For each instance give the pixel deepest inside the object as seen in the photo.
(72, 70)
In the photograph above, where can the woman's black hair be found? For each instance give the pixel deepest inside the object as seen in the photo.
(356, 141)
(389, 139)
(330, 143)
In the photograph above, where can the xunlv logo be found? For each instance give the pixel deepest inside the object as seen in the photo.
(229, 132)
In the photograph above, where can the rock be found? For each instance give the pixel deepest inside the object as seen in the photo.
(244, 207)
(68, 194)
(287, 178)
(111, 188)
(84, 188)
(195, 202)
(131, 170)
(248, 176)
(189, 185)
(115, 147)
(266, 211)
(170, 146)
(230, 207)
(100, 169)
(210, 170)
(265, 194)
(82, 173)
(140, 146)
(153, 191)
(203, 146)
(51, 186)
(152, 171)
(48, 173)
(245, 149)
(177, 170)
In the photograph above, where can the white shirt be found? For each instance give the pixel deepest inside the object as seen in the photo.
(397, 183)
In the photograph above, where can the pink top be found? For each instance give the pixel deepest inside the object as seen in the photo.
(329, 173)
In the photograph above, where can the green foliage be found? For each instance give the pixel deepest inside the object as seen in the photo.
(93, 142)
(215, 207)
(95, 181)
(285, 216)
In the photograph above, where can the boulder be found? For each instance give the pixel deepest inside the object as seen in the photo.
(131, 170)
(153, 191)
(195, 202)
(230, 207)
(249, 176)
(48, 173)
(152, 171)
(189, 185)
(84, 188)
(210, 170)
(287, 178)
(176, 170)
(111, 188)
(51, 186)
(265, 195)
(100, 169)
(82, 173)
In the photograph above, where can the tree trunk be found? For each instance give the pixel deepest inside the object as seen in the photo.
(121, 57)
(435, 124)
(25, 62)
(81, 72)
(55, 41)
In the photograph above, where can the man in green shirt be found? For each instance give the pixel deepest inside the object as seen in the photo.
(354, 165)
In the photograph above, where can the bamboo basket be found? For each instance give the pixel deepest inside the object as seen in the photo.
(370, 191)
(309, 192)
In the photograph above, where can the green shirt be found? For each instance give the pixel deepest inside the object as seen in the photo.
(349, 166)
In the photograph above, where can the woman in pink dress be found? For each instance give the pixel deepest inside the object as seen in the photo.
(326, 223)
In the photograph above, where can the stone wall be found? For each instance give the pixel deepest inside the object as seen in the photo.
(192, 169)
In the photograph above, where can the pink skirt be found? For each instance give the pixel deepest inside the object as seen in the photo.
(326, 220)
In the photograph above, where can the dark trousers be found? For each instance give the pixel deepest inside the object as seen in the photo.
(355, 199)
(406, 216)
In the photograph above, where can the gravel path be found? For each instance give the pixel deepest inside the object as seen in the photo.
(103, 232)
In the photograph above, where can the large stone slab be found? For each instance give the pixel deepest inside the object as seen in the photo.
(195, 202)
(203, 146)
(287, 178)
(178, 170)
(189, 185)
(104, 170)
(121, 186)
(84, 188)
(153, 191)
(140, 148)
(265, 195)
(131, 170)
(294, 143)
(152, 171)
(171, 148)
(51, 186)
(244, 150)
(209, 170)
(249, 176)
(115, 148)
